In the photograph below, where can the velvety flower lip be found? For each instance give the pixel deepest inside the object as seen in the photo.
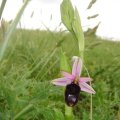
(74, 77)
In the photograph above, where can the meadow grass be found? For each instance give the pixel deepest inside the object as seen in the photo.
(31, 60)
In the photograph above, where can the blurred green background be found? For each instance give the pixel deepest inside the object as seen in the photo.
(32, 60)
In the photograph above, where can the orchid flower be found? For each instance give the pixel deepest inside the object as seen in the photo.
(74, 83)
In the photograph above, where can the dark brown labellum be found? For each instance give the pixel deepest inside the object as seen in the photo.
(72, 92)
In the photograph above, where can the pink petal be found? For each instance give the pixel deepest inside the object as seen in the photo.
(77, 66)
(87, 88)
(85, 79)
(68, 75)
(61, 81)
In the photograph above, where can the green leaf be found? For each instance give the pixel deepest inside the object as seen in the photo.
(77, 28)
(67, 14)
(71, 20)
(64, 65)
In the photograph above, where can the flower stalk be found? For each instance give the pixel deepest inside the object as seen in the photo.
(69, 113)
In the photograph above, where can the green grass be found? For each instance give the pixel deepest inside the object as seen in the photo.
(32, 59)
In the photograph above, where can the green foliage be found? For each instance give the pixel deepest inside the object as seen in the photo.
(67, 14)
(71, 19)
(11, 29)
(78, 32)
(32, 59)
(26, 55)
(64, 64)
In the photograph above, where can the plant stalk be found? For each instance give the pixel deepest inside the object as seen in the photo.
(69, 113)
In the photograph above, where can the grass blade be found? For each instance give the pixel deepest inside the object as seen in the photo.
(2, 7)
(11, 29)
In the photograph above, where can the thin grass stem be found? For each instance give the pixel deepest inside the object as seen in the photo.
(91, 106)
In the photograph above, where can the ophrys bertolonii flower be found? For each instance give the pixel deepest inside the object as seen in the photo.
(74, 83)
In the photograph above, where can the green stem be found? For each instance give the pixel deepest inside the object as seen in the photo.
(69, 113)
(91, 106)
